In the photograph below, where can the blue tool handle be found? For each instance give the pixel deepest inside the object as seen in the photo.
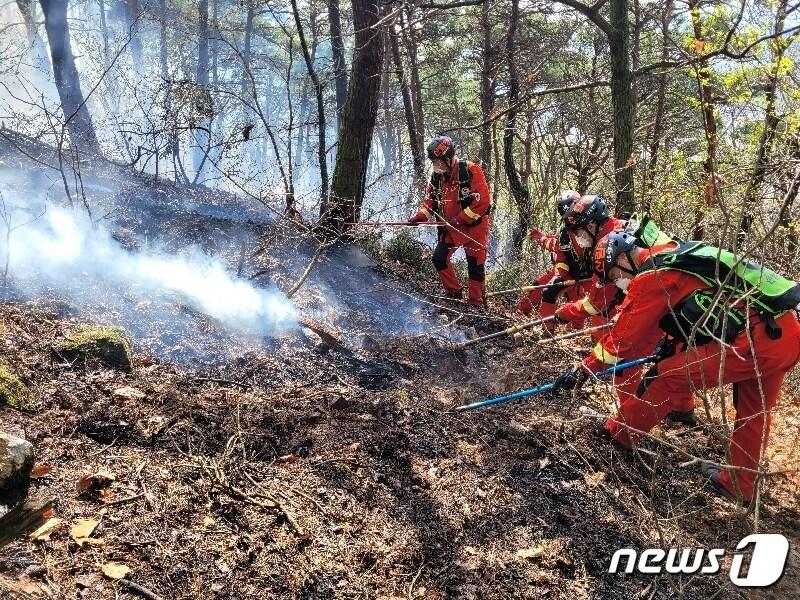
(549, 386)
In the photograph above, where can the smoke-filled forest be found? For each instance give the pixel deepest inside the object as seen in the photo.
(397, 299)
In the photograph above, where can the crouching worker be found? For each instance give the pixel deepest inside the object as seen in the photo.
(744, 332)
(459, 196)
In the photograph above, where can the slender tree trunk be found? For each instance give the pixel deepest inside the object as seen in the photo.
(133, 11)
(788, 224)
(318, 89)
(487, 88)
(339, 66)
(27, 9)
(622, 100)
(703, 74)
(519, 192)
(202, 131)
(661, 103)
(163, 52)
(291, 202)
(358, 119)
(388, 128)
(411, 44)
(77, 120)
(496, 161)
(414, 139)
(771, 121)
(247, 50)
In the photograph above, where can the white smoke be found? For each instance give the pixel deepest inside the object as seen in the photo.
(64, 250)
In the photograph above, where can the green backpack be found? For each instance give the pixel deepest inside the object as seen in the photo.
(764, 290)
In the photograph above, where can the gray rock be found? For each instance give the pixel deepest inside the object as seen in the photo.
(16, 462)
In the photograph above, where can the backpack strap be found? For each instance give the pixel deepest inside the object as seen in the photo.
(464, 184)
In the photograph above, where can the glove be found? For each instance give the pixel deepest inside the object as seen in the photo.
(664, 349)
(571, 379)
(454, 222)
(570, 312)
(418, 218)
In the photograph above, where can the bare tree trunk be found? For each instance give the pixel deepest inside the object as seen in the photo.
(520, 193)
(358, 119)
(318, 89)
(622, 100)
(133, 10)
(487, 88)
(77, 120)
(496, 160)
(703, 74)
(771, 121)
(339, 66)
(791, 195)
(27, 9)
(163, 53)
(291, 202)
(388, 129)
(247, 50)
(661, 103)
(411, 45)
(414, 138)
(202, 131)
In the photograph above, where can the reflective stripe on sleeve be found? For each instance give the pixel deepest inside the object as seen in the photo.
(589, 308)
(562, 266)
(603, 355)
(426, 211)
(471, 213)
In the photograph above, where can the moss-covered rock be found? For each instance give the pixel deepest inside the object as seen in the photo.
(108, 345)
(12, 391)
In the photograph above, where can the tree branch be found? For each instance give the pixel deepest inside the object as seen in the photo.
(591, 13)
(452, 4)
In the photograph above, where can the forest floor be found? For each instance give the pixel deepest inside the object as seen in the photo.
(311, 469)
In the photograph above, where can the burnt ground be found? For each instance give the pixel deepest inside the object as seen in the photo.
(300, 469)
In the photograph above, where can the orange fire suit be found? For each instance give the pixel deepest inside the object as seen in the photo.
(467, 213)
(584, 300)
(667, 386)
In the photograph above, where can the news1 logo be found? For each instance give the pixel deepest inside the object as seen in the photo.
(767, 562)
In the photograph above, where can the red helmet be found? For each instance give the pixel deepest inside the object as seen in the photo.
(588, 209)
(442, 146)
(565, 201)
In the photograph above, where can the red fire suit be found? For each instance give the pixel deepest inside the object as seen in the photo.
(668, 385)
(533, 299)
(588, 299)
(471, 231)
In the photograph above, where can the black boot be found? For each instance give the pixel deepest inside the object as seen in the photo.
(711, 473)
(685, 418)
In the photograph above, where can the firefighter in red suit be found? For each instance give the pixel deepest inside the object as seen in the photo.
(560, 272)
(586, 220)
(675, 289)
(458, 195)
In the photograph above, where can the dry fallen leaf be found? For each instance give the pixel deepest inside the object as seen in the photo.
(41, 470)
(47, 529)
(288, 459)
(530, 552)
(88, 580)
(82, 529)
(595, 479)
(472, 550)
(114, 570)
(129, 393)
(95, 482)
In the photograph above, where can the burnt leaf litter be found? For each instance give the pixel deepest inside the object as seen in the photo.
(314, 467)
